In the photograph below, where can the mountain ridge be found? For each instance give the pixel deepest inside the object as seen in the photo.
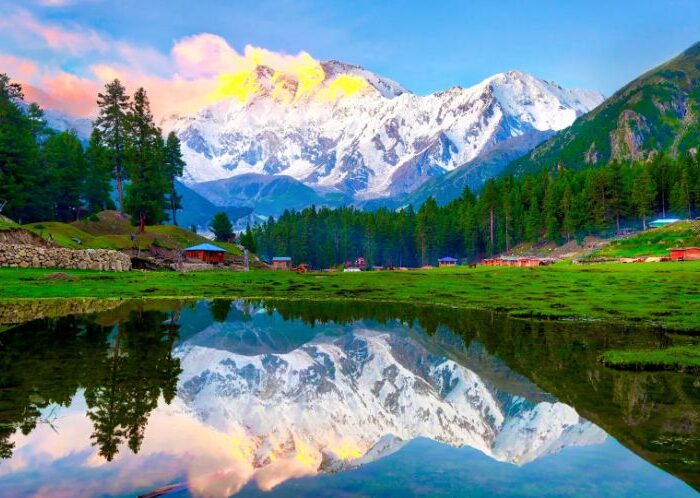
(376, 140)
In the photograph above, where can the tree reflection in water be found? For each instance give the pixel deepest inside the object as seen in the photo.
(123, 368)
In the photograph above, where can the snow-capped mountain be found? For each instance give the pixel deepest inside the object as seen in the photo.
(346, 130)
(350, 396)
(60, 121)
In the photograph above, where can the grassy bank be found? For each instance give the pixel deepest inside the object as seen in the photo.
(655, 242)
(666, 294)
(110, 230)
(686, 357)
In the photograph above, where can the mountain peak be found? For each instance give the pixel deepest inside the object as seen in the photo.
(387, 87)
(304, 80)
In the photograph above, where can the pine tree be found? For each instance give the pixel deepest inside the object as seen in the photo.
(426, 220)
(569, 223)
(643, 194)
(97, 187)
(146, 194)
(490, 198)
(64, 161)
(173, 169)
(222, 227)
(681, 194)
(533, 223)
(248, 240)
(617, 197)
(20, 173)
(112, 122)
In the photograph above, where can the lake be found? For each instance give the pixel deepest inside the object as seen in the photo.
(284, 398)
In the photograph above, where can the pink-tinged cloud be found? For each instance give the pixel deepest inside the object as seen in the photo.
(182, 82)
(23, 25)
(204, 55)
(168, 96)
(76, 95)
(56, 3)
(19, 68)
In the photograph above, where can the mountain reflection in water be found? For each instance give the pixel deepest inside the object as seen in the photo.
(216, 397)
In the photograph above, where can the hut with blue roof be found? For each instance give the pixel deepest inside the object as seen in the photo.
(447, 261)
(281, 263)
(209, 253)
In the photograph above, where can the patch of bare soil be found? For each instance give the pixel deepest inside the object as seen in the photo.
(570, 249)
(22, 236)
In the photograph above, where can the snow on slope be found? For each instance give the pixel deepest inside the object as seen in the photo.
(374, 138)
(340, 401)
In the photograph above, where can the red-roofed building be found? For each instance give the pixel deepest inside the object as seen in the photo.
(685, 254)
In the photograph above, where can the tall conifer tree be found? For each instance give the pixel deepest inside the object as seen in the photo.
(112, 122)
(173, 169)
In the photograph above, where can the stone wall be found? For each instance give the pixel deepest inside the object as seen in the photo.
(28, 256)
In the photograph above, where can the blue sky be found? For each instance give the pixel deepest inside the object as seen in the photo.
(426, 46)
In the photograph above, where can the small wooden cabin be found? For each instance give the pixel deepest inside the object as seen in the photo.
(281, 263)
(447, 261)
(209, 253)
(685, 254)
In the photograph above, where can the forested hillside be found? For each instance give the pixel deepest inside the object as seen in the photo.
(554, 206)
(657, 112)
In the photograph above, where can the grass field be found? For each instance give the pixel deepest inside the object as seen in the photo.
(664, 294)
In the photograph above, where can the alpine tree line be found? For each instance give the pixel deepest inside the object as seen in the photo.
(557, 206)
(47, 175)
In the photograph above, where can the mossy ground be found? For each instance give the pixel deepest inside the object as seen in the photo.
(685, 357)
(662, 294)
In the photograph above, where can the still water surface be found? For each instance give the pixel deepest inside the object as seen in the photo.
(222, 398)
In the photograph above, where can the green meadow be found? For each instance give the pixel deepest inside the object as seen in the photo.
(659, 294)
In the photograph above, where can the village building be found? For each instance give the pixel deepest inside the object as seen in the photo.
(447, 261)
(518, 261)
(209, 253)
(281, 263)
(685, 254)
